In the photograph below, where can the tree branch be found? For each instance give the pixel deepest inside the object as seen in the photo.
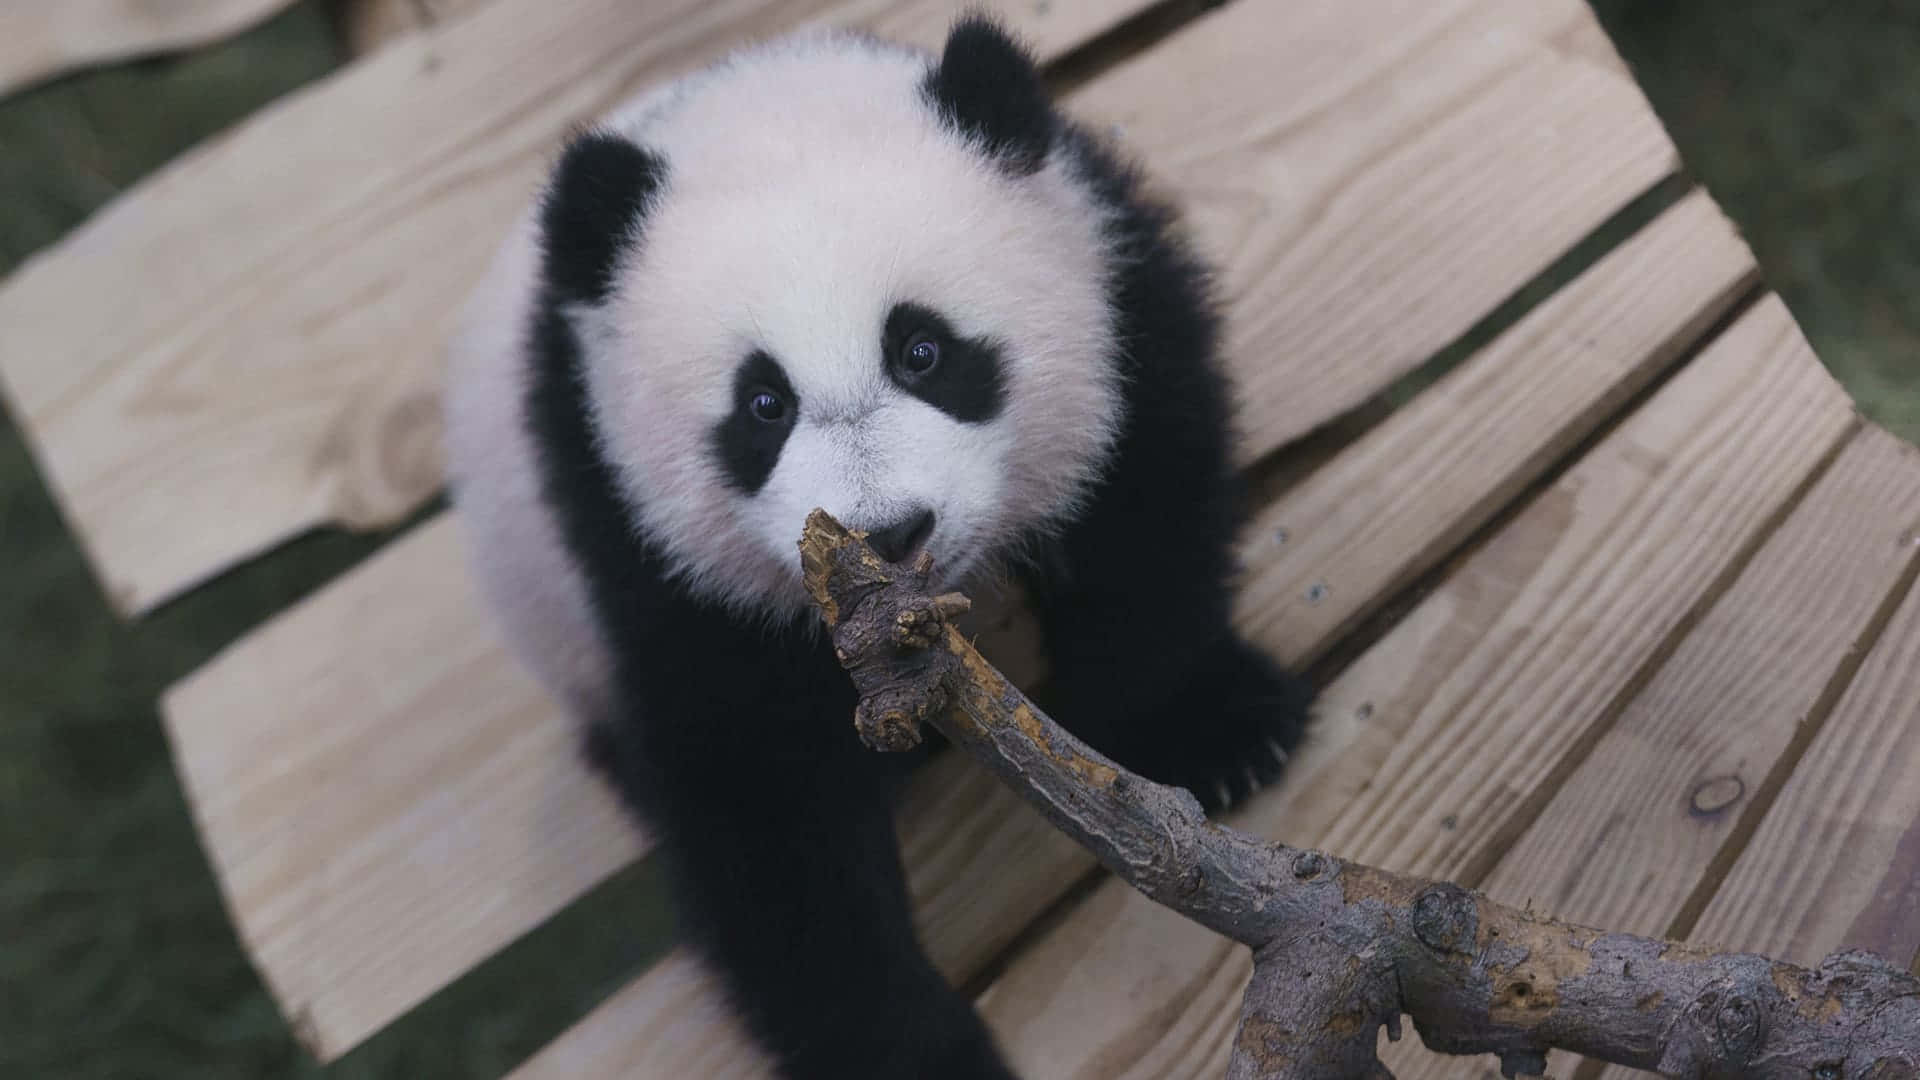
(1342, 949)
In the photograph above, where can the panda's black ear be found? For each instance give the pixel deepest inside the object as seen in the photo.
(591, 212)
(988, 86)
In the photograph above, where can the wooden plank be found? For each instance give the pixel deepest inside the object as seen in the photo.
(1343, 191)
(414, 790)
(369, 24)
(289, 379)
(1588, 40)
(1411, 490)
(38, 40)
(1836, 861)
(1539, 632)
(274, 356)
(1651, 813)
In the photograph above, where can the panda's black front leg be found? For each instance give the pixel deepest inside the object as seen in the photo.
(1145, 662)
(787, 881)
(1173, 696)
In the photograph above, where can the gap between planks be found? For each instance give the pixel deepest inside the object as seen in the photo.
(1337, 172)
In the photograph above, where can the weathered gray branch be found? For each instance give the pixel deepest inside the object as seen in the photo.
(1341, 949)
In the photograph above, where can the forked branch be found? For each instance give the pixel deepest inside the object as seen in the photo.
(1342, 949)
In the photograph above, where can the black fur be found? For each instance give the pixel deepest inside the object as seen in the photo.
(733, 739)
(988, 87)
(592, 204)
(749, 446)
(966, 384)
(1157, 678)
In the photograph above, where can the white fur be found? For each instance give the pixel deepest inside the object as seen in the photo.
(810, 187)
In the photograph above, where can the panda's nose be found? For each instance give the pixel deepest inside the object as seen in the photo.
(897, 541)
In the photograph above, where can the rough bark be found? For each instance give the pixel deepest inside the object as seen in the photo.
(1341, 949)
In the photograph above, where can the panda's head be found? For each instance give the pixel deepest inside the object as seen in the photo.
(836, 273)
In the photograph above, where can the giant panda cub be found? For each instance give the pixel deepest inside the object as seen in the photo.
(834, 272)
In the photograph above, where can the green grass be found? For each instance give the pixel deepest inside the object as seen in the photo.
(116, 958)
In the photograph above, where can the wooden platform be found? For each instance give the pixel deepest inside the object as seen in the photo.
(1615, 592)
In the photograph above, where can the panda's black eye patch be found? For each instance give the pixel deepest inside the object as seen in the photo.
(958, 375)
(748, 439)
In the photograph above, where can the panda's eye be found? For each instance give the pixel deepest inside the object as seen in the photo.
(921, 354)
(767, 406)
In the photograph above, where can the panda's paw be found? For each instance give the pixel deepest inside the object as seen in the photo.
(1234, 728)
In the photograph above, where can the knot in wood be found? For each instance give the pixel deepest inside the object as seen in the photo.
(1445, 917)
(1741, 1027)
(1713, 796)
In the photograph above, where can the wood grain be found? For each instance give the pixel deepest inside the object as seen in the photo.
(286, 378)
(1836, 862)
(369, 24)
(1345, 187)
(40, 39)
(1833, 863)
(1523, 648)
(1411, 490)
(1650, 814)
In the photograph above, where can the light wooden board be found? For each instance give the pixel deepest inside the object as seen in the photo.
(1411, 490)
(369, 24)
(39, 38)
(498, 715)
(1836, 862)
(274, 357)
(1588, 40)
(1538, 632)
(1652, 811)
